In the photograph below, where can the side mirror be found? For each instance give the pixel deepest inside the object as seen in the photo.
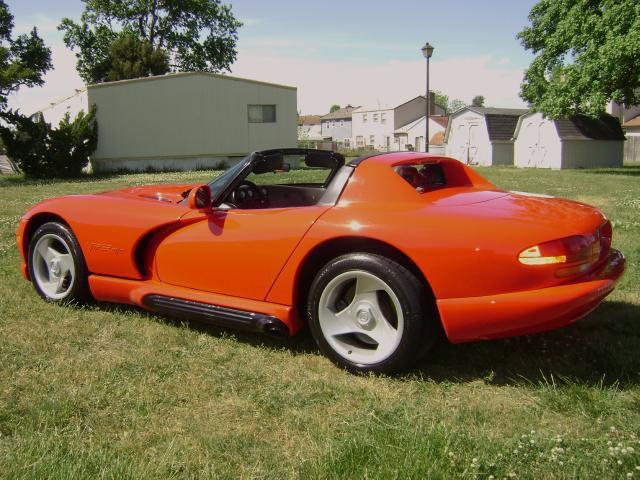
(200, 198)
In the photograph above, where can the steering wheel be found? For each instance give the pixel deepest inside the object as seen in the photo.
(247, 192)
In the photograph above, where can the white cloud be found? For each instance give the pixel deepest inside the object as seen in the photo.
(322, 83)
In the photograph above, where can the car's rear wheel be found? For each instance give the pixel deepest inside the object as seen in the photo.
(56, 264)
(369, 313)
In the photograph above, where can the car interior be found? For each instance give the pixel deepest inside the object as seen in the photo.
(423, 178)
(268, 184)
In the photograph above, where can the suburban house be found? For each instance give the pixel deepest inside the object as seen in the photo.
(309, 129)
(374, 127)
(632, 145)
(576, 142)
(336, 126)
(482, 136)
(411, 135)
(189, 120)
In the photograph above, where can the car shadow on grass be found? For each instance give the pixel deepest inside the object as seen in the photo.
(600, 350)
(627, 170)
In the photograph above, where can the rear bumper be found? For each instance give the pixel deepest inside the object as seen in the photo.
(522, 313)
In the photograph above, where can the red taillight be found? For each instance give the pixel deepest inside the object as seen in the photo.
(564, 250)
(574, 254)
(606, 234)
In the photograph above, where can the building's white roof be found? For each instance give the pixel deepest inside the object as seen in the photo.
(377, 108)
(171, 76)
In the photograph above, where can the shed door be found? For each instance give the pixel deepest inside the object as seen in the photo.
(537, 152)
(472, 143)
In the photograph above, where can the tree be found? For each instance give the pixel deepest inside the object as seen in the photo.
(334, 108)
(198, 35)
(455, 105)
(130, 57)
(42, 151)
(587, 53)
(442, 99)
(450, 106)
(23, 60)
(477, 101)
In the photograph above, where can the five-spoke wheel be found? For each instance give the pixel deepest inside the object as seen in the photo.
(56, 264)
(369, 313)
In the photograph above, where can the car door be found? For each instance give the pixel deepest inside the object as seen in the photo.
(234, 252)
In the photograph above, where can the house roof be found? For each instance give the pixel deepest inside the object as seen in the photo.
(501, 127)
(439, 119)
(340, 114)
(309, 120)
(580, 127)
(375, 108)
(497, 111)
(634, 122)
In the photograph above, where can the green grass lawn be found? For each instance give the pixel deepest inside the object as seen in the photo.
(114, 392)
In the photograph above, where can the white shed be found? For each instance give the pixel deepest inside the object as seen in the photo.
(576, 142)
(482, 136)
(189, 120)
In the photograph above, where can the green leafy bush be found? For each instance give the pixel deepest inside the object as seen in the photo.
(40, 150)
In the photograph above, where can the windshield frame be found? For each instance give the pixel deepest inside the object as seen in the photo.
(225, 183)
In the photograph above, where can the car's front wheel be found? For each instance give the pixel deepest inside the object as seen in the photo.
(369, 313)
(56, 264)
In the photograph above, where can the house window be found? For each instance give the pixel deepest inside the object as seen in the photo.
(375, 118)
(383, 118)
(364, 118)
(359, 141)
(372, 139)
(333, 123)
(261, 113)
(347, 143)
(342, 123)
(328, 124)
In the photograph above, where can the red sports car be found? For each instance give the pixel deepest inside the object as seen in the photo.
(377, 255)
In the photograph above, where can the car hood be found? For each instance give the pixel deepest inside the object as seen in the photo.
(171, 193)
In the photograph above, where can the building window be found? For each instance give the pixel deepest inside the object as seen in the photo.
(333, 123)
(359, 141)
(375, 118)
(342, 123)
(328, 125)
(347, 143)
(383, 118)
(372, 139)
(364, 118)
(261, 113)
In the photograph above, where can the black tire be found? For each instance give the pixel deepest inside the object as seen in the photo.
(76, 290)
(418, 332)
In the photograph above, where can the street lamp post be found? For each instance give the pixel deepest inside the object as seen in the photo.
(427, 51)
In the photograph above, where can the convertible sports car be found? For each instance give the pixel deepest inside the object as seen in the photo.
(378, 256)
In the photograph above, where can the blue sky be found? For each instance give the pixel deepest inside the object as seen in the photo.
(358, 52)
